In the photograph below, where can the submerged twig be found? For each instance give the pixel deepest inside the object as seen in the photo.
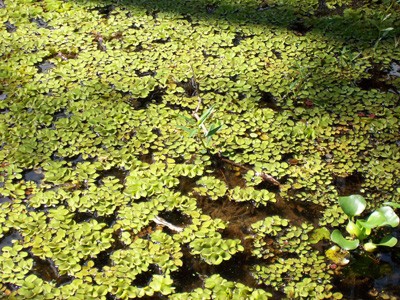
(160, 221)
(264, 176)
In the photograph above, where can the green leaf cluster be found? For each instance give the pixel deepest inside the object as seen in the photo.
(360, 229)
(214, 250)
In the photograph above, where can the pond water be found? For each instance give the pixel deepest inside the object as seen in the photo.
(116, 181)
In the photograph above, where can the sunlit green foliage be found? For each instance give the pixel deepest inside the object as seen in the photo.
(359, 229)
(91, 154)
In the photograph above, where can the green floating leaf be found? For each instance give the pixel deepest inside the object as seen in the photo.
(193, 132)
(336, 255)
(392, 204)
(184, 128)
(381, 217)
(352, 205)
(370, 247)
(187, 119)
(338, 238)
(388, 241)
(356, 229)
(319, 234)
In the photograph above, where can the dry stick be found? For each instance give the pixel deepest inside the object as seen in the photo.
(161, 221)
(264, 176)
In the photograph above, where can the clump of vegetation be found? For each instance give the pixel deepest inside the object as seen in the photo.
(102, 194)
(195, 126)
(361, 229)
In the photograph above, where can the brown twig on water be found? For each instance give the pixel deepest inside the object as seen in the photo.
(264, 176)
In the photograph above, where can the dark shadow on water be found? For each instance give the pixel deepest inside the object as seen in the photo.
(237, 269)
(80, 217)
(175, 217)
(8, 238)
(378, 80)
(45, 269)
(143, 279)
(33, 175)
(186, 184)
(189, 276)
(267, 100)
(349, 185)
(118, 173)
(335, 24)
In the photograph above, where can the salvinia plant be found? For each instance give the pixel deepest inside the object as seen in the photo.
(361, 229)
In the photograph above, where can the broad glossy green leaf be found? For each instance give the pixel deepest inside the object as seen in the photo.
(392, 204)
(356, 229)
(352, 205)
(388, 241)
(338, 238)
(381, 217)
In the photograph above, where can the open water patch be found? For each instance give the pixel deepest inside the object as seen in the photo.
(119, 173)
(349, 185)
(33, 175)
(8, 238)
(377, 79)
(45, 269)
(367, 277)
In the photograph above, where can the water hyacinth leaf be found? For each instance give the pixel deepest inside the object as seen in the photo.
(352, 205)
(356, 229)
(353, 229)
(388, 241)
(338, 238)
(392, 204)
(381, 217)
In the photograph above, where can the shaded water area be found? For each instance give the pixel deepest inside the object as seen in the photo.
(196, 150)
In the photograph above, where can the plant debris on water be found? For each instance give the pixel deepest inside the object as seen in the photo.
(198, 149)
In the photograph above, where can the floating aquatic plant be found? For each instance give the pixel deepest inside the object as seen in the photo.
(360, 229)
(92, 93)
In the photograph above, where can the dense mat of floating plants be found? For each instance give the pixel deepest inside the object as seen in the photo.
(103, 196)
